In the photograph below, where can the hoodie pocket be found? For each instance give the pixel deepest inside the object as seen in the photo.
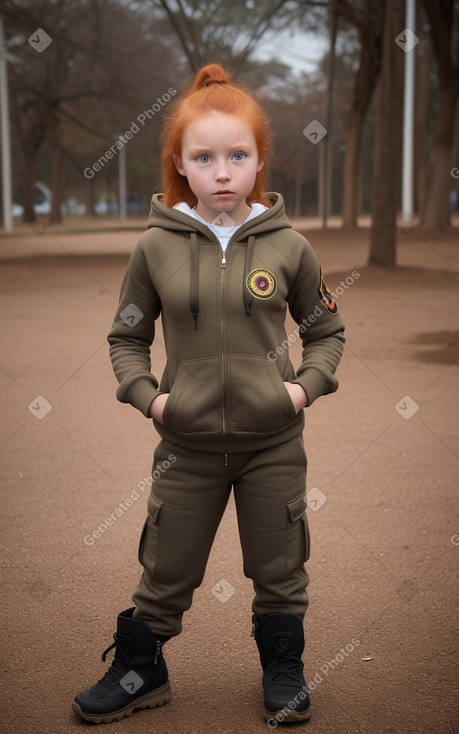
(193, 404)
(258, 400)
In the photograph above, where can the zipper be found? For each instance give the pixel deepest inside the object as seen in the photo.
(222, 338)
(223, 264)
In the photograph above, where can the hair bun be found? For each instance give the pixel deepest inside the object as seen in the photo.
(210, 74)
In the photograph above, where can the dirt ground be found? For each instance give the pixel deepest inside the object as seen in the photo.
(382, 638)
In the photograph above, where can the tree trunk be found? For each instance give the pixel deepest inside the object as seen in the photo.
(57, 184)
(30, 166)
(436, 214)
(422, 102)
(383, 240)
(90, 198)
(441, 19)
(365, 82)
(297, 178)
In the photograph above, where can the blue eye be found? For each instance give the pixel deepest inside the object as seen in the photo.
(203, 158)
(239, 156)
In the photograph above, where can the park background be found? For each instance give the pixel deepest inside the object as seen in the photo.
(383, 452)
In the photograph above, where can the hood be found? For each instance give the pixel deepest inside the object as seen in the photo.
(270, 220)
(172, 219)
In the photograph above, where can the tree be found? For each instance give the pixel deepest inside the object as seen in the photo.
(368, 22)
(387, 164)
(225, 32)
(440, 14)
(423, 100)
(79, 82)
(35, 82)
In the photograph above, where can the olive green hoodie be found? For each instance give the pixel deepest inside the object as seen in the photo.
(223, 323)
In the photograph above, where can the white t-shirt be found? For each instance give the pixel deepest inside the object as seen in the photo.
(222, 232)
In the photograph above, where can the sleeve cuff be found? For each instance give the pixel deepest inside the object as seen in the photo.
(141, 394)
(315, 384)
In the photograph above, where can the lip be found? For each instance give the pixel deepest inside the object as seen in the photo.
(224, 192)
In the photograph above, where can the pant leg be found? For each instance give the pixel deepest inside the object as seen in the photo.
(273, 528)
(185, 507)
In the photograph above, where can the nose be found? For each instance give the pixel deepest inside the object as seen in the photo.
(222, 172)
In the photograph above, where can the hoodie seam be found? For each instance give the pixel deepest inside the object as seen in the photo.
(282, 252)
(161, 263)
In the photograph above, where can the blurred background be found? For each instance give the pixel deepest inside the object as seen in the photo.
(362, 96)
(88, 82)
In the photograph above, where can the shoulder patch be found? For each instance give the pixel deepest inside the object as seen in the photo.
(327, 298)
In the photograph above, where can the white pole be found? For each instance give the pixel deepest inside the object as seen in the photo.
(408, 121)
(5, 134)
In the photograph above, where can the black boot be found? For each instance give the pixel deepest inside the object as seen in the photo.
(280, 641)
(136, 679)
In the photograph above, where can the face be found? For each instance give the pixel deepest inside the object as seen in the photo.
(220, 160)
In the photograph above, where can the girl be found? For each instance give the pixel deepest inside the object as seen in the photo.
(220, 264)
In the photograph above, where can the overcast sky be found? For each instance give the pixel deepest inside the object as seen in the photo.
(300, 50)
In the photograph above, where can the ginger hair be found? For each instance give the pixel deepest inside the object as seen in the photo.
(212, 91)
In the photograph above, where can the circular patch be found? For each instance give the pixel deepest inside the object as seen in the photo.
(261, 283)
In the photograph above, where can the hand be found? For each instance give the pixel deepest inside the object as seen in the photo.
(156, 408)
(297, 396)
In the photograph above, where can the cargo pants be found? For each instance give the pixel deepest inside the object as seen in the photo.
(189, 495)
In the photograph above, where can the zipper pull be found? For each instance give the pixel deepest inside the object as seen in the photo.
(223, 262)
(157, 652)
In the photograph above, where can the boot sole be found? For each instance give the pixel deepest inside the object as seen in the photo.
(288, 716)
(159, 697)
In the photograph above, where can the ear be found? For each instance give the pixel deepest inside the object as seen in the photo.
(178, 164)
(260, 166)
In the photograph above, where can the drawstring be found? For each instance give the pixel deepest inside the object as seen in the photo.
(248, 297)
(194, 278)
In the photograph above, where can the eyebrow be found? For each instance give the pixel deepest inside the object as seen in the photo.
(203, 149)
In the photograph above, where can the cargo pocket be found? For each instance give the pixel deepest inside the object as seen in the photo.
(297, 550)
(149, 539)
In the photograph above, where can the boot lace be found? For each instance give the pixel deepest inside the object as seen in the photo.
(121, 662)
(283, 664)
